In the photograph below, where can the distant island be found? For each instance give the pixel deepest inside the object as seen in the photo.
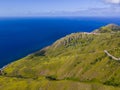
(79, 61)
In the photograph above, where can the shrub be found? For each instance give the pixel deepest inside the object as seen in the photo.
(52, 77)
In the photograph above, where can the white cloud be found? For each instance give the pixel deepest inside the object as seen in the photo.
(113, 1)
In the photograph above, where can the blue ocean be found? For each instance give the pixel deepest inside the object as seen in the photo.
(22, 36)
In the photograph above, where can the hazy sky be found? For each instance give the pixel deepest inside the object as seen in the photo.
(59, 8)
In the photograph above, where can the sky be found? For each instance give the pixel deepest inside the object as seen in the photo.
(16, 8)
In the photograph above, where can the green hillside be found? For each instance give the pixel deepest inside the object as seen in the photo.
(108, 28)
(74, 62)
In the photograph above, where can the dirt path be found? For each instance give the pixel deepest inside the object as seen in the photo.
(117, 59)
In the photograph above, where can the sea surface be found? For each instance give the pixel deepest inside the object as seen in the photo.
(22, 36)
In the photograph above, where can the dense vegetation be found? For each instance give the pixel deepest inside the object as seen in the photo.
(75, 62)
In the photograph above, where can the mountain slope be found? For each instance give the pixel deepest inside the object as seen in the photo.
(77, 61)
(108, 28)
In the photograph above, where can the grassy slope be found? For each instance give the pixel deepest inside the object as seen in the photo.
(7, 83)
(67, 63)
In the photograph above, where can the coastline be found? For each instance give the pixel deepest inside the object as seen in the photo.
(1, 69)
